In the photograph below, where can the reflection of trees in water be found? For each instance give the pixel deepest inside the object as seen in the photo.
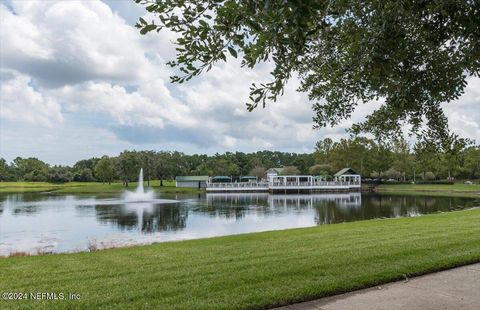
(20, 203)
(165, 218)
(32, 203)
(228, 212)
(151, 218)
(116, 214)
(302, 202)
(26, 209)
(386, 206)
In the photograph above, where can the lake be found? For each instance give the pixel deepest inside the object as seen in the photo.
(41, 223)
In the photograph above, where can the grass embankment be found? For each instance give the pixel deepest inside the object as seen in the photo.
(252, 270)
(89, 187)
(453, 190)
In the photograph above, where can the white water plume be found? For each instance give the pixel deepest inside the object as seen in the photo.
(139, 195)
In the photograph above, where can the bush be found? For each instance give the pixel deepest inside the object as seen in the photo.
(59, 174)
(392, 174)
(429, 176)
(290, 170)
(84, 175)
(323, 169)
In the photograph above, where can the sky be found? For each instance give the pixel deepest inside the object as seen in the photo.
(78, 80)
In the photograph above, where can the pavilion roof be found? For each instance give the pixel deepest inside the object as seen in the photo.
(346, 171)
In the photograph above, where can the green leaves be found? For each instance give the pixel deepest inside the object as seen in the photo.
(147, 28)
(232, 51)
(413, 55)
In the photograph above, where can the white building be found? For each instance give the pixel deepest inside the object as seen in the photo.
(347, 175)
(192, 181)
(274, 172)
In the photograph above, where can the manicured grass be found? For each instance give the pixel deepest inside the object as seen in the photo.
(89, 187)
(454, 190)
(16, 187)
(249, 271)
(432, 187)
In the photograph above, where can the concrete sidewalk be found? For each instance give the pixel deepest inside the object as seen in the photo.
(456, 289)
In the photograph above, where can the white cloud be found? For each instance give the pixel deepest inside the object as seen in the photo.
(126, 108)
(19, 101)
(464, 114)
(65, 42)
(27, 41)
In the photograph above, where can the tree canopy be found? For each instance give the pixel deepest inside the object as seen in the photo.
(412, 55)
(459, 158)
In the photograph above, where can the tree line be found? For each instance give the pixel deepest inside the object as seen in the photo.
(398, 160)
(160, 165)
(452, 158)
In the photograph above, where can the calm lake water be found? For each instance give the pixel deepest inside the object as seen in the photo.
(44, 223)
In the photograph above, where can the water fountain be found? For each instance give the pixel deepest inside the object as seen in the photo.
(139, 195)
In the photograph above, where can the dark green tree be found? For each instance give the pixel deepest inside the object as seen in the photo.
(85, 167)
(452, 148)
(128, 165)
(402, 158)
(165, 166)
(30, 169)
(6, 171)
(426, 157)
(148, 163)
(59, 174)
(83, 175)
(472, 162)
(105, 170)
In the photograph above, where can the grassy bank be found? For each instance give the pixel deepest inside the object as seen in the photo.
(453, 190)
(88, 187)
(249, 271)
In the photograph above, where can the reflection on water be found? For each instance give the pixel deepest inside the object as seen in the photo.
(145, 218)
(37, 222)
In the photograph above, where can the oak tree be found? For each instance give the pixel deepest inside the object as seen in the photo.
(411, 55)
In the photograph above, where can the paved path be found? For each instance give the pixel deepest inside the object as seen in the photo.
(456, 289)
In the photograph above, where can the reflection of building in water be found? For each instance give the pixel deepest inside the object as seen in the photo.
(342, 200)
(233, 205)
(237, 204)
(235, 199)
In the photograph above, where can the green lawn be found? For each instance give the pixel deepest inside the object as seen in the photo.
(249, 271)
(457, 189)
(88, 187)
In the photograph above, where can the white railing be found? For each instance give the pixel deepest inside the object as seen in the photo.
(238, 185)
(264, 185)
(312, 184)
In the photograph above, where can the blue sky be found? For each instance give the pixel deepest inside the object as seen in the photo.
(77, 80)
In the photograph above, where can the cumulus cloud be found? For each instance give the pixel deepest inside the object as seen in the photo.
(101, 97)
(66, 42)
(21, 102)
